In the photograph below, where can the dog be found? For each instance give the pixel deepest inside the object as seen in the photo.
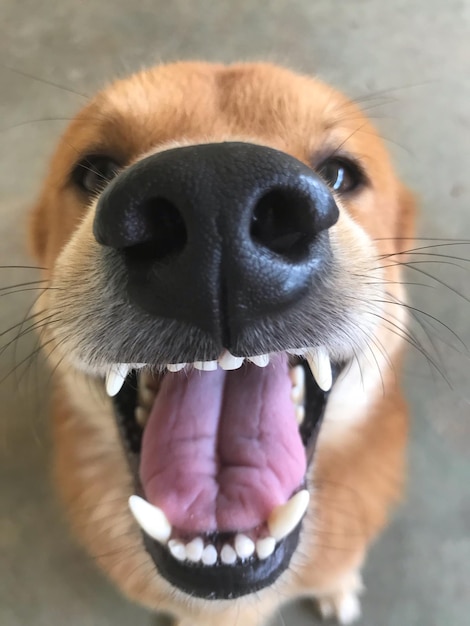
(226, 319)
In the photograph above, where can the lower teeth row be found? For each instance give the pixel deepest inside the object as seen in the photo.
(196, 552)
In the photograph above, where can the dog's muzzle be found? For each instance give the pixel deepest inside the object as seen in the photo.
(224, 239)
(218, 235)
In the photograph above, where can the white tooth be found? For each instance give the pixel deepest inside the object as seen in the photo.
(141, 416)
(150, 518)
(209, 555)
(228, 555)
(229, 362)
(265, 547)
(206, 366)
(177, 549)
(244, 547)
(297, 376)
(297, 394)
(194, 549)
(175, 367)
(261, 361)
(115, 378)
(297, 351)
(299, 414)
(285, 517)
(319, 363)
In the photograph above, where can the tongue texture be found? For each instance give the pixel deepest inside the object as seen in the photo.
(221, 449)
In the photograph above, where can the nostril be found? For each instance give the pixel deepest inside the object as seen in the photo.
(282, 221)
(162, 230)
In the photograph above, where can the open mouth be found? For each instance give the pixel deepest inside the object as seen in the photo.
(219, 451)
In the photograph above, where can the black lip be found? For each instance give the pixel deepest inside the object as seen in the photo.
(224, 582)
(219, 581)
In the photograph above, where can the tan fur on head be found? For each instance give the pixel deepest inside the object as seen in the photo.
(358, 469)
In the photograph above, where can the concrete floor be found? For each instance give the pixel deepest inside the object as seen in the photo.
(417, 55)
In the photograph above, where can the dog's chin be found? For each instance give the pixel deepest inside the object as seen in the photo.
(217, 524)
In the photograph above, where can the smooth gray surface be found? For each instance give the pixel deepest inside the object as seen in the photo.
(419, 53)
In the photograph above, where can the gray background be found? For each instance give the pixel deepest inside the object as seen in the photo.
(416, 54)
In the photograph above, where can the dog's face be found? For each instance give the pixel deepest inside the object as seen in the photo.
(217, 241)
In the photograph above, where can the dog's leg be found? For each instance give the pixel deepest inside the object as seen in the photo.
(342, 604)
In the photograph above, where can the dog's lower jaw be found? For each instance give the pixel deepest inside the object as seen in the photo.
(359, 476)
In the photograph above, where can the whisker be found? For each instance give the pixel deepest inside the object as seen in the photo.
(47, 321)
(26, 319)
(44, 81)
(22, 267)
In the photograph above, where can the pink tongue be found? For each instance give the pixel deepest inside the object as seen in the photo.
(222, 449)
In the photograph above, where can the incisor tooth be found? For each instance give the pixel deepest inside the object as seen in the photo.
(177, 549)
(265, 547)
(150, 518)
(175, 367)
(229, 362)
(244, 546)
(115, 378)
(206, 366)
(285, 517)
(194, 549)
(261, 360)
(228, 556)
(319, 363)
(209, 555)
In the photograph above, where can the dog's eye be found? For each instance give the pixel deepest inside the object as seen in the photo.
(341, 175)
(94, 172)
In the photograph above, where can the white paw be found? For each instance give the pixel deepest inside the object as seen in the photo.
(343, 606)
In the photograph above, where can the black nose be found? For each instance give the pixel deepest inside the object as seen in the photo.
(218, 235)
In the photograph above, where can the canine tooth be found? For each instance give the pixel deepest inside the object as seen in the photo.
(261, 360)
(209, 555)
(299, 414)
(229, 362)
(206, 366)
(228, 555)
(265, 547)
(244, 546)
(177, 549)
(285, 517)
(115, 378)
(175, 367)
(319, 363)
(150, 518)
(141, 415)
(194, 549)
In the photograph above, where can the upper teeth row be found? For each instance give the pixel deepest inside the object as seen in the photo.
(226, 361)
(317, 358)
(281, 522)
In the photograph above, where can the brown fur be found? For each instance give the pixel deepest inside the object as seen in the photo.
(358, 470)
